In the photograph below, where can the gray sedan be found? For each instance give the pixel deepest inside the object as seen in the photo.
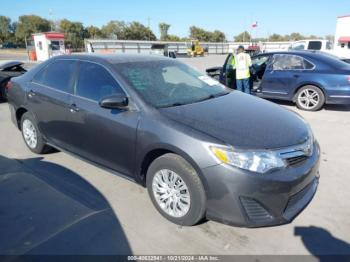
(202, 150)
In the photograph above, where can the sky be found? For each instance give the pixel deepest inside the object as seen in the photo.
(308, 17)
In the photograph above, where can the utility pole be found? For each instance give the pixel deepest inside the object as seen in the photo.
(51, 16)
(149, 28)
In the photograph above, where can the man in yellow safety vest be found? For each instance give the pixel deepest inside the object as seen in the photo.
(242, 64)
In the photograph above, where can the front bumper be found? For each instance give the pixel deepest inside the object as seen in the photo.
(242, 198)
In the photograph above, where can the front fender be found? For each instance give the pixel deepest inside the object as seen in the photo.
(175, 150)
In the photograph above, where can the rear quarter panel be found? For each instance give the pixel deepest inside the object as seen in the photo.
(16, 98)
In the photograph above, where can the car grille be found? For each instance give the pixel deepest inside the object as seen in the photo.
(292, 161)
(255, 212)
(297, 155)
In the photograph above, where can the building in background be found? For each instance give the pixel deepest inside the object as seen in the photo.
(48, 44)
(342, 34)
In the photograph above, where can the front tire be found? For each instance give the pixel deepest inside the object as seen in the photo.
(310, 98)
(176, 190)
(32, 136)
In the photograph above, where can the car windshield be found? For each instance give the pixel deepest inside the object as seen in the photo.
(169, 83)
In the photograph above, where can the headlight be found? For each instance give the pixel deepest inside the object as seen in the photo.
(309, 144)
(255, 161)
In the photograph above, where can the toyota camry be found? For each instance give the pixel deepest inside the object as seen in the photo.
(201, 149)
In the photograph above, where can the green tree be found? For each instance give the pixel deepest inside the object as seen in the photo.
(199, 34)
(217, 36)
(314, 37)
(74, 33)
(260, 39)
(5, 28)
(296, 37)
(329, 38)
(114, 30)
(13, 27)
(276, 38)
(163, 29)
(174, 38)
(29, 24)
(94, 32)
(243, 37)
(137, 31)
(207, 36)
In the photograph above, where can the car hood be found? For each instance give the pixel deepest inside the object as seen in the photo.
(8, 64)
(242, 121)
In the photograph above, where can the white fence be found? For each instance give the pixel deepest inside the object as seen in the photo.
(144, 47)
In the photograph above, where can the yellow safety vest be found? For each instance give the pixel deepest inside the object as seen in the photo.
(241, 63)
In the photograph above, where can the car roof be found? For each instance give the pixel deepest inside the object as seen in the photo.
(296, 52)
(314, 55)
(115, 58)
(308, 53)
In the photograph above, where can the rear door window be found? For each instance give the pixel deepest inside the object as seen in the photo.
(308, 65)
(290, 62)
(95, 82)
(315, 45)
(329, 46)
(260, 60)
(298, 46)
(57, 75)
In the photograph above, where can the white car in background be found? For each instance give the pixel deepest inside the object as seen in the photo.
(324, 46)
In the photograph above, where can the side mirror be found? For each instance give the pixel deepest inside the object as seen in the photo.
(118, 101)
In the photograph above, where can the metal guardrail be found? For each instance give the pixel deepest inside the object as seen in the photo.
(144, 47)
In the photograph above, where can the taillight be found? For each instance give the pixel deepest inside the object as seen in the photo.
(9, 85)
(349, 79)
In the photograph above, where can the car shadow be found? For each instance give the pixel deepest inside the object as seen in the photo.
(323, 245)
(47, 209)
(343, 108)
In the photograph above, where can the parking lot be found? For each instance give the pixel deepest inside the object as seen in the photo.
(323, 228)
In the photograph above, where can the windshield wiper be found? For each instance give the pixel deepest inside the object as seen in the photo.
(196, 101)
(212, 96)
(172, 105)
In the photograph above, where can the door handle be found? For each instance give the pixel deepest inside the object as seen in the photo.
(296, 76)
(74, 108)
(31, 93)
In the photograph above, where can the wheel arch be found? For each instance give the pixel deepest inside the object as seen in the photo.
(19, 113)
(300, 86)
(3, 83)
(157, 152)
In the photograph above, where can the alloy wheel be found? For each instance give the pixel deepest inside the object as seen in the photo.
(29, 133)
(171, 193)
(309, 99)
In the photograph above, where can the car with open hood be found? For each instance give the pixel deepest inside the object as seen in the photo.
(9, 69)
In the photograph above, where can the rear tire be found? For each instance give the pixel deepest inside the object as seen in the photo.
(310, 98)
(176, 190)
(32, 136)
